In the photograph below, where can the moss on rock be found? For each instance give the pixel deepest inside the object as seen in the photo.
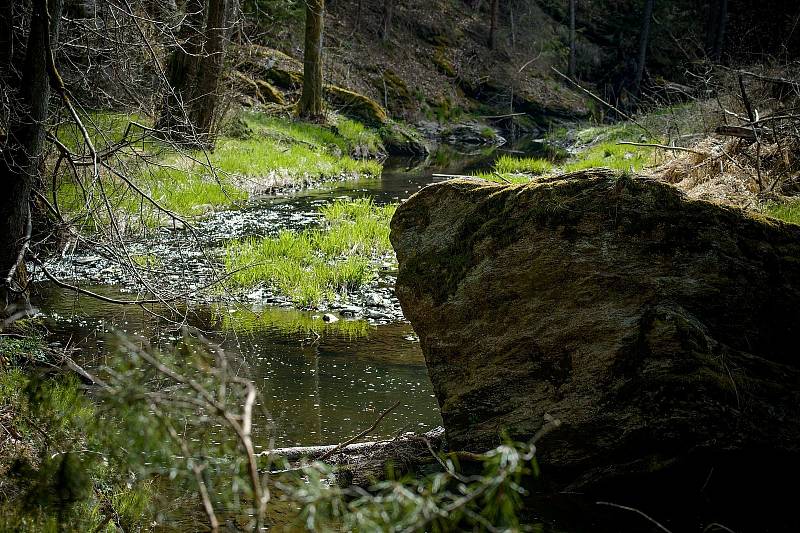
(259, 90)
(355, 105)
(651, 325)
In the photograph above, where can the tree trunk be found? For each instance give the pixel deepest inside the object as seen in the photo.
(23, 150)
(6, 39)
(310, 105)
(644, 41)
(719, 34)
(209, 73)
(571, 66)
(173, 121)
(386, 26)
(495, 13)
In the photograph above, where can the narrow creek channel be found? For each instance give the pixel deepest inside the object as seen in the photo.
(320, 382)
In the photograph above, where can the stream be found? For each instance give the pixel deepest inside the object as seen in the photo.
(320, 382)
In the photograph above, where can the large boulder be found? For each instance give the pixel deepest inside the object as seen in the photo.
(662, 332)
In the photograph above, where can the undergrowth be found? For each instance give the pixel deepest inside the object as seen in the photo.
(596, 146)
(53, 474)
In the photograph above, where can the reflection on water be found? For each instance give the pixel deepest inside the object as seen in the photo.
(320, 382)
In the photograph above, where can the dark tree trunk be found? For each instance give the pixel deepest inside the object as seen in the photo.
(715, 28)
(22, 154)
(209, 72)
(310, 105)
(644, 41)
(719, 33)
(6, 39)
(495, 14)
(181, 70)
(386, 19)
(571, 66)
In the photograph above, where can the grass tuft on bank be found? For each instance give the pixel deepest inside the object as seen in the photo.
(257, 153)
(595, 146)
(319, 264)
(788, 212)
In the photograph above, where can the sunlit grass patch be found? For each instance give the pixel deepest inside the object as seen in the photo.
(522, 165)
(509, 169)
(788, 212)
(105, 128)
(191, 183)
(186, 193)
(612, 155)
(345, 135)
(318, 264)
(623, 131)
(258, 157)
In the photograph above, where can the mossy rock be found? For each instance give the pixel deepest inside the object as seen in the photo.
(259, 90)
(443, 64)
(660, 331)
(269, 93)
(261, 62)
(286, 79)
(355, 105)
(397, 92)
(400, 139)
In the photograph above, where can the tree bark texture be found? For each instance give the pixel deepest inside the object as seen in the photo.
(644, 41)
(571, 66)
(386, 19)
(719, 33)
(22, 153)
(181, 71)
(495, 14)
(310, 105)
(212, 60)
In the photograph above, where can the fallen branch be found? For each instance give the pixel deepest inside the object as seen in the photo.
(740, 132)
(637, 511)
(507, 115)
(296, 453)
(451, 176)
(354, 438)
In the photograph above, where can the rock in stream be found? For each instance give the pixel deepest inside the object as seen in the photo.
(662, 332)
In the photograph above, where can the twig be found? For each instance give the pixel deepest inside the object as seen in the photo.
(351, 440)
(666, 147)
(507, 115)
(637, 511)
(597, 98)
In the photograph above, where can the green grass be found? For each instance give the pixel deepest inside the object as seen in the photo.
(318, 264)
(184, 183)
(524, 165)
(598, 147)
(345, 135)
(788, 212)
(623, 131)
(612, 155)
(104, 129)
(508, 169)
(52, 483)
